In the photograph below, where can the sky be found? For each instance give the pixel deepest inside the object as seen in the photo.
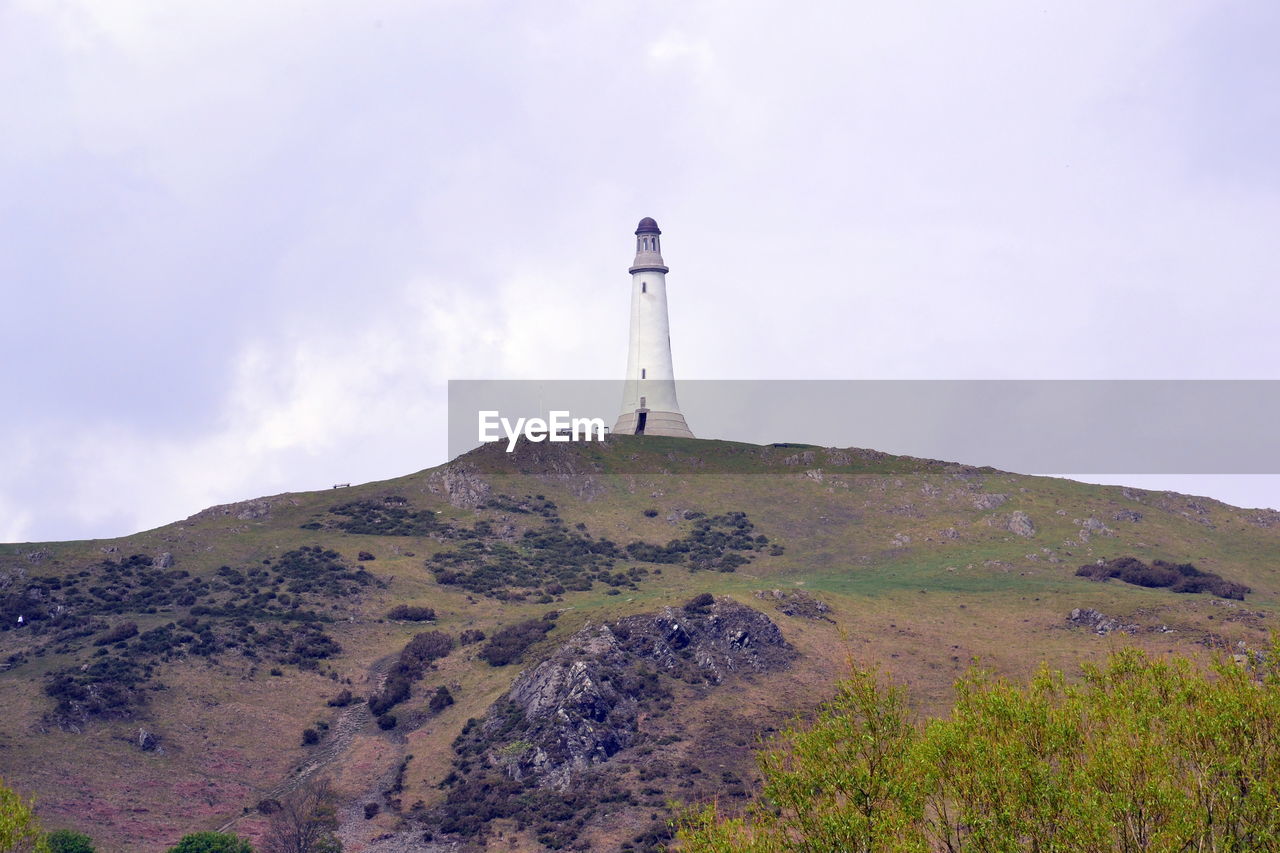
(246, 245)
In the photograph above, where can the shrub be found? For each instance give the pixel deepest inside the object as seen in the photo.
(471, 635)
(1180, 577)
(123, 631)
(66, 841)
(509, 644)
(19, 829)
(650, 513)
(310, 737)
(371, 810)
(365, 556)
(1188, 765)
(342, 700)
(410, 613)
(700, 603)
(211, 842)
(441, 699)
(387, 722)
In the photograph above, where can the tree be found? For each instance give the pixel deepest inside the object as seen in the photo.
(19, 830)
(305, 822)
(211, 842)
(67, 841)
(1141, 754)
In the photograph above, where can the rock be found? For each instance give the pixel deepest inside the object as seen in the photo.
(164, 561)
(1098, 622)
(950, 533)
(1093, 525)
(583, 704)
(796, 603)
(149, 742)
(462, 486)
(990, 501)
(253, 510)
(805, 458)
(1020, 524)
(1127, 515)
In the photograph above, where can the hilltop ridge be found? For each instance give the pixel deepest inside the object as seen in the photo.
(164, 681)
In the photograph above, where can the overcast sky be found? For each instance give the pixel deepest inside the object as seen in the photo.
(245, 244)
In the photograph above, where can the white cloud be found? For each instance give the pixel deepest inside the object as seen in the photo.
(250, 242)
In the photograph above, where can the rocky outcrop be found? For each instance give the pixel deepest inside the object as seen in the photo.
(989, 501)
(1020, 524)
(796, 603)
(461, 485)
(1098, 622)
(255, 510)
(583, 704)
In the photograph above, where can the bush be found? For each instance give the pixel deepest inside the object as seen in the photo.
(123, 631)
(441, 699)
(471, 635)
(310, 737)
(365, 556)
(66, 841)
(1180, 577)
(371, 810)
(211, 842)
(19, 829)
(1188, 765)
(423, 649)
(386, 722)
(411, 613)
(700, 603)
(342, 700)
(509, 644)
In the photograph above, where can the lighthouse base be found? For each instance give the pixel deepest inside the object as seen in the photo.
(646, 422)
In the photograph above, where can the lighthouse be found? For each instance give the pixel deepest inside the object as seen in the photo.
(649, 405)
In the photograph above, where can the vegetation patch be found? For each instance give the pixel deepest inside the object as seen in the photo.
(508, 644)
(391, 516)
(414, 660)
(1179, 577)
(1188, 765)
(549, 560)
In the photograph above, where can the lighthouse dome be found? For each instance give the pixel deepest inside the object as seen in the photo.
(648, 226)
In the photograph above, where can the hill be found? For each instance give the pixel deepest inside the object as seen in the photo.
(667, 601)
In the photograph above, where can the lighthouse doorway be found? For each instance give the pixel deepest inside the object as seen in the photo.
(641, 417)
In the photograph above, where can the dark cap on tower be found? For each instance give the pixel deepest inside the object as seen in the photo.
(648, 226)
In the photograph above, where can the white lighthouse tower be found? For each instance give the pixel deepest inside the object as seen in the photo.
(649, 404)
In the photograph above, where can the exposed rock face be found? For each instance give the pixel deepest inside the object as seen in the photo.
(991, 501)
(582, 705)
(796, 603)
(164, 561)
(253, 510)
(1020, 523)
(462, 486)
(1098, 622)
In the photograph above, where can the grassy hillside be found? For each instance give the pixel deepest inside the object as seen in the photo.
(162, 682)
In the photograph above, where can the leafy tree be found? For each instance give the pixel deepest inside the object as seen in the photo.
(1142, 754)
(19, 830)
(211, 842)
(68, 841)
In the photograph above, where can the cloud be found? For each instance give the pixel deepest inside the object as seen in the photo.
(266, 235)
